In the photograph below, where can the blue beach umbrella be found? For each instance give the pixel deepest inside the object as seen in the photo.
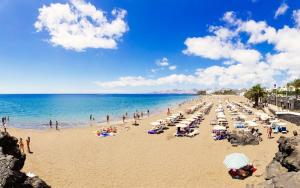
(236, 161)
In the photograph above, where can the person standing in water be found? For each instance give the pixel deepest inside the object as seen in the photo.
(56, 125)
(107, 118)
(91, 117)
(148, 112)
(50, 123)
(124, 119)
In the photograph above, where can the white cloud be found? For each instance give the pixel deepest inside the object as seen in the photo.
(162, 62)
(142, 81)
(215, 48)
(172, 67)
(79, 25)
(281, 10)
(258, 31)
(243, 65)
(296, 16)
(237, 76)
(229, 62)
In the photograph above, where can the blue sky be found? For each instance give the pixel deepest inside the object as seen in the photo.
(147, 34)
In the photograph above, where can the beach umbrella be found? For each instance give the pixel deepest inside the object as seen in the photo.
(155, 123)
(251, 124)
(181, 125)
(219, 128)
(236, 161)
(186, 122)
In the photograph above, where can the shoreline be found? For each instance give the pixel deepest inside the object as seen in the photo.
(117, 119)
(104, 124)
(132, 158)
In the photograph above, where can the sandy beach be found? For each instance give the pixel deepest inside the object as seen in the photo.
(76, 157)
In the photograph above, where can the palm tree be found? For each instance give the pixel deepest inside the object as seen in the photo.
(255, 93)
(296, 84)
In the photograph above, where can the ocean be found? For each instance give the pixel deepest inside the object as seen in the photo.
(35, 110)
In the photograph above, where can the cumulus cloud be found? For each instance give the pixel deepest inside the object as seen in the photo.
(162, 62)
(281, 10)
(78, 25)
(234, 43)
(142, 81)
(172, 67)
(214, 76)
(296, 16)
(225, 43)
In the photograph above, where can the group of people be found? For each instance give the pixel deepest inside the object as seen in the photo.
(136, 116)
(21, 145)
(92, 118)
(4, 120)
(51, 124)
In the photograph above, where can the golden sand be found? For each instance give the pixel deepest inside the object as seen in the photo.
(78, 158)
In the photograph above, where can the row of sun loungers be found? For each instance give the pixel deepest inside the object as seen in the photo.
(219, 131)
(193, 109)
(185, 126)
(188, 126)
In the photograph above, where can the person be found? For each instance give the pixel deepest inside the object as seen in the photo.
(123, 119)
(126, 114)
(91, 117)
(56, 125)
(7, 118)
(269, 132)
(28, 144)
(148, 112)
(4, 127)
(168, 113)
(107, 118)
(21, 145)
(142, 114)
(50, 123)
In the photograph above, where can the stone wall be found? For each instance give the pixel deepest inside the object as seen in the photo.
(290, 117)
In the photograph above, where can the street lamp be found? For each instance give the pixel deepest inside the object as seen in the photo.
(275, 95)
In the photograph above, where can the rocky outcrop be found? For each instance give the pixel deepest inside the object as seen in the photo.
(11, 162)
(243, 139)
(284, 169)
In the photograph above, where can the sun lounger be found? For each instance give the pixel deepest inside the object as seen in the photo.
(179, 134)
(283, 130)
(193, 133)
(156, 130)
(276, 130)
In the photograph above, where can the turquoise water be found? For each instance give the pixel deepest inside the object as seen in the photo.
(35, 110)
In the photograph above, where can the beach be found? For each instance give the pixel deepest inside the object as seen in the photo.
(76, 157)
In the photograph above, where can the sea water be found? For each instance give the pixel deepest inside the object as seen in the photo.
(36, 110)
